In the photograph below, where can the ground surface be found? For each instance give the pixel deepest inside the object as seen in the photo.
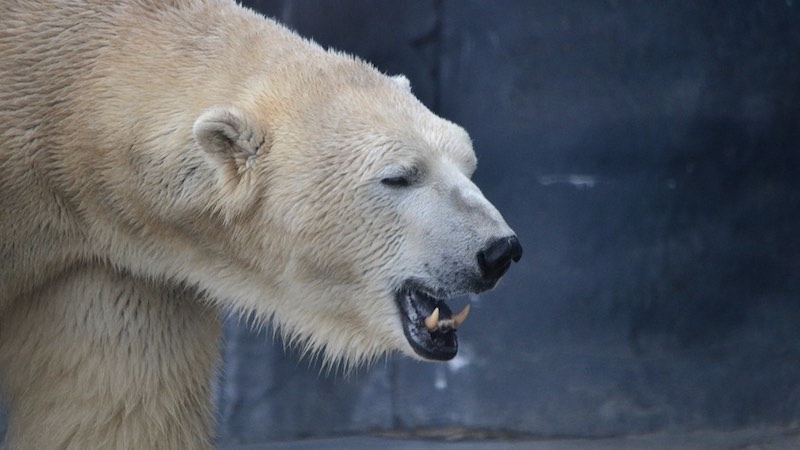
(751, 439)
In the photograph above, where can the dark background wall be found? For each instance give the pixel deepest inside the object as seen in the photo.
(648, 155)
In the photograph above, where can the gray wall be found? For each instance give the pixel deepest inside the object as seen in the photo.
(648, 154)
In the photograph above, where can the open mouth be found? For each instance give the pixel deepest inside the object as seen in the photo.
(428, 323)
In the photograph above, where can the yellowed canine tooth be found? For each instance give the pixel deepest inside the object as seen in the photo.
(432, 321)
(459, 318)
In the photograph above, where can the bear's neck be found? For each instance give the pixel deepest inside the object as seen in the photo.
(109, 360)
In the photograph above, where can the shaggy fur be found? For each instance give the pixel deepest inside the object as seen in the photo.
(161, 161)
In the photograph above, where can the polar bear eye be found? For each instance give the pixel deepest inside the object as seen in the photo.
(400, 176)
(398, 181)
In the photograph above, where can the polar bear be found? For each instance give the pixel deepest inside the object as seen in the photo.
(163, 162)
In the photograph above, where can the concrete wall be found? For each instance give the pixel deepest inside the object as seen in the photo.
(648, 154)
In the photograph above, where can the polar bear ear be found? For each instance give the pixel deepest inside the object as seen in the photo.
(228, 138)
(402, 81)
(232, 144)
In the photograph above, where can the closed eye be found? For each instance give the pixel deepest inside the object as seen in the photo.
(401, 176)
(398, 181)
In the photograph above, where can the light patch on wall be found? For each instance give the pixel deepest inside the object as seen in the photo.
(577, 180)
(440, 381)
(460, 361)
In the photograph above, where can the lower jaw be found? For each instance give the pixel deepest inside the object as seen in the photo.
(445, 345)
(437, 344)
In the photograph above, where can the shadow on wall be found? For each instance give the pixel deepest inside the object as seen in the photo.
(728, 242)
(705, 232)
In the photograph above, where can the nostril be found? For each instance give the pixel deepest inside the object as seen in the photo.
(495, 259)
(516, 248)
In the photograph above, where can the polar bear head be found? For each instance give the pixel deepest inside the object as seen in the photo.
(354, 203)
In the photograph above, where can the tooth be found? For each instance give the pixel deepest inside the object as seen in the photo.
(459, 318)
(432, 321)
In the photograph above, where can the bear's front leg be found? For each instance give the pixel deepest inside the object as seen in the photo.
(98, 359)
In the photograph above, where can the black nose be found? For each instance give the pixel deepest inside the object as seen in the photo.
(495, 259)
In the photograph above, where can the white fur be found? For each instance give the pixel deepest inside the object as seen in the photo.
(403, 82)
(164, 160)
